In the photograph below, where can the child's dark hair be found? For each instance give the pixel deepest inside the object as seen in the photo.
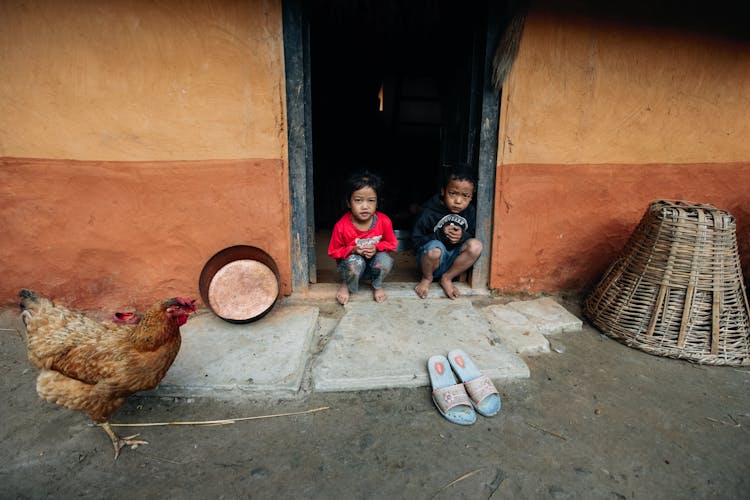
(459, 172)
(363, 179)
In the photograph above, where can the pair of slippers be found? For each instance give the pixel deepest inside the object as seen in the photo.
(456, 401)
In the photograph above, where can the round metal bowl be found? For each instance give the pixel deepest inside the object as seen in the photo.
(240, 284)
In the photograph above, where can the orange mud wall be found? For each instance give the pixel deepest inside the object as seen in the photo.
(598, 118)
(136, 140)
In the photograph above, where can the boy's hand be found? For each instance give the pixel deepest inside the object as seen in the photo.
(453, 233)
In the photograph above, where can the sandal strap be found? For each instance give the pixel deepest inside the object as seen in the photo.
(480, 388)
(451, 396)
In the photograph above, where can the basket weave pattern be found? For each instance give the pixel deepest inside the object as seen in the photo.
(676, 289)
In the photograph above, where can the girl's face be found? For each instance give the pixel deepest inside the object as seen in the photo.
(363, 203)
(457, 195)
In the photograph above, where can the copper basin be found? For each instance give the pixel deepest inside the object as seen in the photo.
(240, 284)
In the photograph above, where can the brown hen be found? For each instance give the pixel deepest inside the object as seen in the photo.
(93, 367)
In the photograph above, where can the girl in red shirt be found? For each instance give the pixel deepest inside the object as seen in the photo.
(362, 238)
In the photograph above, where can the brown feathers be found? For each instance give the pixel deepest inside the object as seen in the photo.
(93, 366)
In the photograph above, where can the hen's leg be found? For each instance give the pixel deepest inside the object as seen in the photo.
(119, 442)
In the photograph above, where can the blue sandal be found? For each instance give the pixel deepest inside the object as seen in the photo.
(484, 396)
(449, 396)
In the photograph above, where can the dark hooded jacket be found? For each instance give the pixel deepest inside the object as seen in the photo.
(434, 216)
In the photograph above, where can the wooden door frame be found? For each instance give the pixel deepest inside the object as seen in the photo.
(296, 28)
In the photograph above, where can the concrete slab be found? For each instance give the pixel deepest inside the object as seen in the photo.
(387, 345)
(267, 356)
(548, 316)
(515, 330)
(522, 325)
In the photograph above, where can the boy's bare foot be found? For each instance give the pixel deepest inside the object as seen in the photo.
(450, 291)
(379, 294)
(342, 295)
(423, 288)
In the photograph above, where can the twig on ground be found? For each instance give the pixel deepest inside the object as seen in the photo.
(496, 482)
(225, 421)
(548, 432)
(162, 459)
(18, 332)
(734, 422)
(457, 480)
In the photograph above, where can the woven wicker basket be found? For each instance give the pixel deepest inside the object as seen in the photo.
(676, 289)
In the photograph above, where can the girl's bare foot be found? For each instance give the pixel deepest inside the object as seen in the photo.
(423, 288)
(378, 294)
(342, 295)
(450, 291)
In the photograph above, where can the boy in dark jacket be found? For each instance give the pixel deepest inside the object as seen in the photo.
(443, 234)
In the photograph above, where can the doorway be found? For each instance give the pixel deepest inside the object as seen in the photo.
(398, 88)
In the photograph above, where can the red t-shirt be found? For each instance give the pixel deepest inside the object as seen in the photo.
(345, 236)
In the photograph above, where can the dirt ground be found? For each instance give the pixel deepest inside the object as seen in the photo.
(599, 420)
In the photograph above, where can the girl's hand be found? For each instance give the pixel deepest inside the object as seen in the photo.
(367, 252)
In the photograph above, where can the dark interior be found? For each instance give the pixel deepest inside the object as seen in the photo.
(392, 87)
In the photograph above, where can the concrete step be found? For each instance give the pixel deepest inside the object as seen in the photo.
(263, 358)
(371, 346)
(377, 346)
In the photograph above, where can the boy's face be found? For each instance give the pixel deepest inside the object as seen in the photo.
(457, 195)
(363, 203)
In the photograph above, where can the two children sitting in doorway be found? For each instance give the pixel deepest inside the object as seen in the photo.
(443, 236)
